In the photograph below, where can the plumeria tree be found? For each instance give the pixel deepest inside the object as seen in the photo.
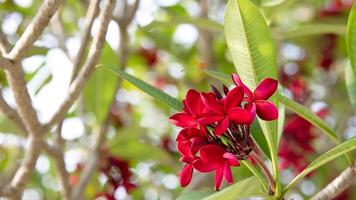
(247, 99)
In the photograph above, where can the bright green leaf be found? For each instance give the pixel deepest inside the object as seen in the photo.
(150, 90)
(351, 37)
(330, 155)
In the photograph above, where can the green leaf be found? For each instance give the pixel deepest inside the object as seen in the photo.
(249, 187)
(252, 49)
(150, 90)
(195, 195)
(100, 89)
(330, 155)
(309, 116)
(351, 85)
(351, 37)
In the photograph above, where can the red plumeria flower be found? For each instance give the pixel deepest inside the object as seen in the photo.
(227, 109)
(213, 157)
(257, 100)
(193, 111)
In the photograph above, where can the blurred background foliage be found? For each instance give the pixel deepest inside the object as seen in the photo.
(171, 43)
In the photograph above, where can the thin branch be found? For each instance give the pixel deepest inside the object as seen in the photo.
(5, 63)
(5, 47)
(34, 29)
(58, 31)
(93, 9)
(206, 37)
(94, 54)
(338, 185)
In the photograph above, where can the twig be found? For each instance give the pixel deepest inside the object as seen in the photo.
(34, 29)
(4, 63)
(93, 9)
(95, 51)
(338, 185)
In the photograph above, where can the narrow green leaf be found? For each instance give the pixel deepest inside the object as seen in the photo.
(309, 116)
(330, 155)
(150, 90)
(253, 53)
(351, 37)
(351, 85)
(249, 187)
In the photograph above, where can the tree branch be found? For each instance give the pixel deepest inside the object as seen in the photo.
(338, 185)
(94, 54)
(11, 114)
(34, 29)
(93, 9)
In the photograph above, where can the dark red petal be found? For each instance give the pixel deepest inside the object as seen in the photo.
(231, 158)
(265, 89)
(212, 153)
(199, 165)
(212, 103)
(234, 98)
(185, 176)
(238, 82)
(228, 174)
(218, 177)
(193, 102)
(222, 127)
(240, 116)
(183, 135)
(266, 110)
(182, 119)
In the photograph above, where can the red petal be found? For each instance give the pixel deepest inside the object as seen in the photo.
(238, 82)
(265, 89)
(182, 119)
(222, 126)
(212, 153)
(218, 177)
(234, 98)
(252, 108)
(231, 158)
(199, 165)
(193, 102)
(212, 103)
(240, 116)
(184, 148)
(185, 176)
(266, 110)
(228, 174)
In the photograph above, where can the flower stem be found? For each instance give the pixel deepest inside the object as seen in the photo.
(261, 163)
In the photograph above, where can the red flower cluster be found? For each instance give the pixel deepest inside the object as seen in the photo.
(215, 132)
(296, 143)
(118, 174)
